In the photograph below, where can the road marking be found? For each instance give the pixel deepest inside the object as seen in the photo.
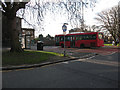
(112, 53)
(108, 53)
(90, 57)
(65, 62)
(109, 63)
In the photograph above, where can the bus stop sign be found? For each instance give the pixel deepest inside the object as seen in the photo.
(64, 28)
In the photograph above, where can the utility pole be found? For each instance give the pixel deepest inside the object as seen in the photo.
(82, 23)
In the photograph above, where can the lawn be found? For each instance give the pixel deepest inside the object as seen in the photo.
(110, 45)
(26, 57)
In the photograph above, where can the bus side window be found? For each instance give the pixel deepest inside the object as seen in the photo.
(67, 38)
(57, 38)
(80, 38)
(71, 38)
(87, 37)
(76, 37)
(94, 36)
(83, 37)
(90, 36)
(61, 39)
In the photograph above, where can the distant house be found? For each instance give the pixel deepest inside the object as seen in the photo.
(26, 35)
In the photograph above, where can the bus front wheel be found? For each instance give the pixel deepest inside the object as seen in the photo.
(82, 46)
(62, 45)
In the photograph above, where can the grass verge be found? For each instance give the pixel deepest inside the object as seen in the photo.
(26, 57)
(110, 45)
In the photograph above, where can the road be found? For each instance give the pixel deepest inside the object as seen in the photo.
(96, 72)
(76, 52)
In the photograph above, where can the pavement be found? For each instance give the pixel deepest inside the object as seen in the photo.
(73, 55)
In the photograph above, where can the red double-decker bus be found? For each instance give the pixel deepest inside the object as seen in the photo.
(91, 39)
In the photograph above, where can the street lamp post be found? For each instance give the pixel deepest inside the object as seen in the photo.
(82, 23)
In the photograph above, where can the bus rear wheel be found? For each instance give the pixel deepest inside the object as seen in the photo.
(82, 46)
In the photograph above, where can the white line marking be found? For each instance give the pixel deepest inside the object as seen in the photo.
(109, 53)
(90, 57)
(65, 62)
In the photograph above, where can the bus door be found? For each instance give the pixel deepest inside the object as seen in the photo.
(100, 40)
(72, 41)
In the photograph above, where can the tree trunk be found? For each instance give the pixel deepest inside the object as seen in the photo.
(14, 34)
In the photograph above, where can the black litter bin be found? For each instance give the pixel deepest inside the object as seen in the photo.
(39, 45)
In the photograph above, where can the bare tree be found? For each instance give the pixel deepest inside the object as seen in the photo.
(9, 10)
(71, 9)
(109, 22)
(37, 12)
(75, 10)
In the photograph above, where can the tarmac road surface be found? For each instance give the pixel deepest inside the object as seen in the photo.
(81, 73)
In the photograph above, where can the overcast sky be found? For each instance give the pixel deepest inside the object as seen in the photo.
(101, 5)
(53, 24)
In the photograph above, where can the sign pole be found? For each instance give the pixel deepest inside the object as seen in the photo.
(64, 28)
(64, 45)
